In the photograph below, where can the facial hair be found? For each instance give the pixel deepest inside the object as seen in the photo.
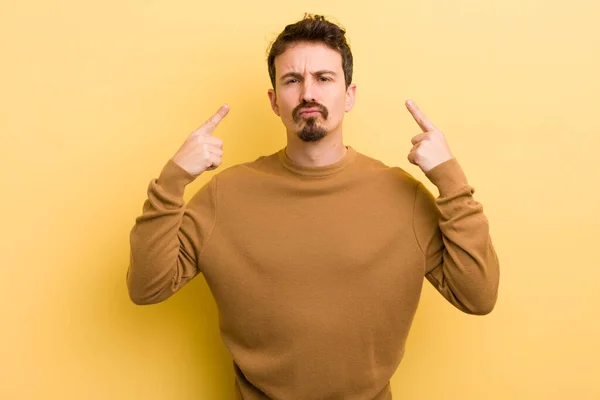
(312, 131)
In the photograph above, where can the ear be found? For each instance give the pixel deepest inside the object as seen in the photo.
(273, 100)
(350, 97)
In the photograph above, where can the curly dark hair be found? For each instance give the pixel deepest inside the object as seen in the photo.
(314, 29)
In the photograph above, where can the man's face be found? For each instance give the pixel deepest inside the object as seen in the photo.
(311, 96)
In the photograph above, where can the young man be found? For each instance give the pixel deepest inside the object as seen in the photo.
(315, 254)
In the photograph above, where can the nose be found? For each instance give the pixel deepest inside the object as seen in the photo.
(308, 92)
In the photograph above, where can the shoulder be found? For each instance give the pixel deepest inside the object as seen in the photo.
(394, 175)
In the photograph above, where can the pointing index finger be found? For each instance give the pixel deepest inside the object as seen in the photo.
(218, 116)
(209, 126)
(419, 117)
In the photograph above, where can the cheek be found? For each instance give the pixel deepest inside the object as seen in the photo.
(338, 107)
(285, 107)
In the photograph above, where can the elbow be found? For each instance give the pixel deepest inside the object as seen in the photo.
(141, 295)
(482, 307)
(143, 298)
(482, 310)
(485, 299)
(140, 299)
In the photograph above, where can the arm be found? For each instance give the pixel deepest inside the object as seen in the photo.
(453, 233)
(167, 239)
(168, 236)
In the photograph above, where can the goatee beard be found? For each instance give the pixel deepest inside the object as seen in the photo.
(312, 132)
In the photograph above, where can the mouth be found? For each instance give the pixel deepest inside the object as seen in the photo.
(310, 113)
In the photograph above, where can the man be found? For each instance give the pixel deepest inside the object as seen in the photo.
(315, 254)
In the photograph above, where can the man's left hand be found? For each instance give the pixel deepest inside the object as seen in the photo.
(430, 148)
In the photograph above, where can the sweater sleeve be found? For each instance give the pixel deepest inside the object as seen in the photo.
(168, 237)
(453, 234)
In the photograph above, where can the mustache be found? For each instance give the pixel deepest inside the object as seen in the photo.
(296, 112)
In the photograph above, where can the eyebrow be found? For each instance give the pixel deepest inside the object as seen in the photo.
(297, 75)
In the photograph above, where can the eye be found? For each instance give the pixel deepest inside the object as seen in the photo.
(324, 79)
(291, 81)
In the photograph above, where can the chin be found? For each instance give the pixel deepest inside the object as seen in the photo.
(311, 131)
(310, 137)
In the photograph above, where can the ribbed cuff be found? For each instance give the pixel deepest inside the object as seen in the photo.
(448, 177)
(173, 179)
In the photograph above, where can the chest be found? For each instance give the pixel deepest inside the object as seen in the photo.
(283, 259)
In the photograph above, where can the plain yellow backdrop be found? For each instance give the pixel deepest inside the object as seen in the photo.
(97, 96)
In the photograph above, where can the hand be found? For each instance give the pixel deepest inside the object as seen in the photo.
(201, 151)
(430, 148)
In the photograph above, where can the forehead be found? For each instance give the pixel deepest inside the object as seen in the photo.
(302, 56)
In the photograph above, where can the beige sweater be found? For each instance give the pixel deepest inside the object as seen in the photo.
(316, 271)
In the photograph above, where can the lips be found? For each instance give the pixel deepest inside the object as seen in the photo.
(309, 110)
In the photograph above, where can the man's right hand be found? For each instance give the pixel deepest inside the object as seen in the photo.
(201, 151)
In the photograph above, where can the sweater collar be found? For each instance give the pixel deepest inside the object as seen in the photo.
(323, 170)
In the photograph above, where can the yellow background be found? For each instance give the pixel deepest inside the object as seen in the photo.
(96, 96)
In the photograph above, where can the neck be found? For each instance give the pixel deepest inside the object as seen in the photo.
(326, 151)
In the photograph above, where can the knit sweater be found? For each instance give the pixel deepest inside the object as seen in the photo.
(316, 271)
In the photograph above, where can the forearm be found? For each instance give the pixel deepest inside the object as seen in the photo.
(468, 274)
(461, 261)
(162, 254)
